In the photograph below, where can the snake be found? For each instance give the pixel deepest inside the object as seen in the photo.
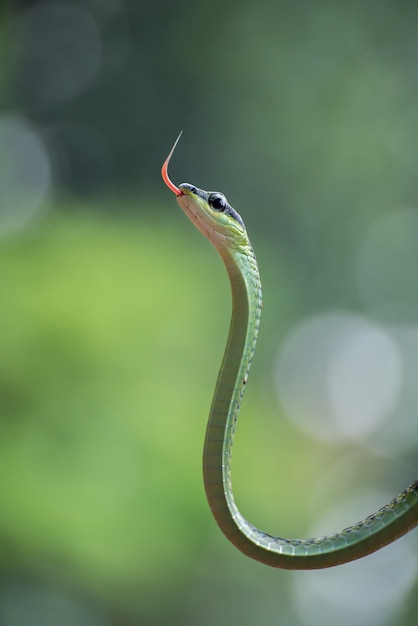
(219, 222)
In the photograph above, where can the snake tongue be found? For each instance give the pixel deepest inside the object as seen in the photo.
(164, 171)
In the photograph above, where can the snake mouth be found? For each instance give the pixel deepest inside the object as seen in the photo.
(186, 189)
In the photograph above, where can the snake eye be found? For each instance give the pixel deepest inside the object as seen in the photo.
(218, 202)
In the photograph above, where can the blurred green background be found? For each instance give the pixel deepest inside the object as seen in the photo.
(114, 310)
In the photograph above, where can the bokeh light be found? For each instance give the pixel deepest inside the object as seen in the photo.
(339, 376)
(25, 174)
(62, 53)
(400, 434)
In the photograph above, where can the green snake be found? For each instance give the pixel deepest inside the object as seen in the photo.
(211, 213)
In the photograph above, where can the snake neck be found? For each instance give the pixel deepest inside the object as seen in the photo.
(233, 374)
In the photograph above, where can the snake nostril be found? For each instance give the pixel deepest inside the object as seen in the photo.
(189, 187)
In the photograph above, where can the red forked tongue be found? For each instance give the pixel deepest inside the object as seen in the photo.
(164, 170)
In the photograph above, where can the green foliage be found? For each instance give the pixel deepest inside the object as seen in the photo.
(93, 371)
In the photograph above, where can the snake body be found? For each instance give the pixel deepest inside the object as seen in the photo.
(220, 223)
